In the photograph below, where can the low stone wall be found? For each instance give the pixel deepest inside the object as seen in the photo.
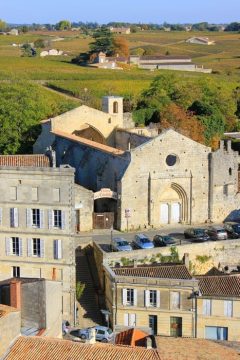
(202, 256)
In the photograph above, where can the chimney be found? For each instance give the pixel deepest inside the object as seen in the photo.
(186, 260)
(92, 336)
(148, 342)
(15, 294)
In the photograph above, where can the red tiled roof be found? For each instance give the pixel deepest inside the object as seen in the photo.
(214, 271)
(219, 286)
(37, 348)
(131, 337)
(166, 271)
(24, 160)
(192, 349)
(89, 143)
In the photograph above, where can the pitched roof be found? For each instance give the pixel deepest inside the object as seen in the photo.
(214, 271)
(220, 286)
(192, 349)
(161, 271)
(161, 57)
(37, 348)
(132, 337)
(25, 160)
(90, 143)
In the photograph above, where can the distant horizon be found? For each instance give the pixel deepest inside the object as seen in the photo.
(151, 12)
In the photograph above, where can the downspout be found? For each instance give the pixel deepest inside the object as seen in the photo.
(210, 187)
(190, 215)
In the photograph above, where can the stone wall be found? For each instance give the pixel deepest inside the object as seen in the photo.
(126, 140)
(10, 325)
(84, 205)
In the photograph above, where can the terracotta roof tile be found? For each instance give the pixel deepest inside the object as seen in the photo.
(24, 160)
(37, 348)
(193, 349)
(166, 271)
(220, 286)
(87, 142)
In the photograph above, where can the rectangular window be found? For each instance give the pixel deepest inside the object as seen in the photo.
(13, 193)
(153, 298)
(14, 217)
(16, 271)
(130, 320)
(36, 218)
(216, 333)
(36, 247)
(34, 193)
(228, 308)
(130, 297)
(15, 246)
(56, 195)
(57, 219)
(57, 249)
(175, 300)
(207, 307)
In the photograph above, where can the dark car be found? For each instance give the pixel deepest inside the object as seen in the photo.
(163, 240)
(232, 229)
(196, 234)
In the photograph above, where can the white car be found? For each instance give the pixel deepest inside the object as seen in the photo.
(120, 244)
(103, 333)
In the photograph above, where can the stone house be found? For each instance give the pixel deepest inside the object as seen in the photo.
(155, 298)
(37, 219)
(120, 30)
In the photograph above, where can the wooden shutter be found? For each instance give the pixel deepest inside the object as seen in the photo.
(29, 217)
(42, 248)
(124, 296)
(147, 298)
(125, 318)
(1, 216)
(158, 298)
(8, 246)
(41, 219)
(57, 249)
(15, 217)
(50, 219)
(29, 247)
(135, 297)
(63, 219)
(228, 308)
(20, 247)
(132, 319)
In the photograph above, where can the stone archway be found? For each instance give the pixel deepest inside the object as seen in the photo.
(173, 205)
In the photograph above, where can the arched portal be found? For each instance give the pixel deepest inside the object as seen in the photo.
(173, 205)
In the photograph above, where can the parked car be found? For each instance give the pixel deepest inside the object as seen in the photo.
(196, 234)
(120, 244)
(217, 233)
(232, 229)
(163, 240)
(103, 333)
(141, 241)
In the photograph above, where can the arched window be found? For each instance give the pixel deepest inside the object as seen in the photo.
(115, 107)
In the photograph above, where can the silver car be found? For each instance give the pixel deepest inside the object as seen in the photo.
(217, 233)
(120, 244)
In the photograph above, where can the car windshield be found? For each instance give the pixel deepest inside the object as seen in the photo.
(236, 228)
(167, 238)
(199, 232)
(219, 231)
(109, 331)
(122, 243)
(145, 240)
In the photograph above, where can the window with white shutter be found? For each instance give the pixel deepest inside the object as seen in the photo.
(14, 246)
(135, 297)
(50, 219)
(29, 247)
(175, 300)
(207, 307)
(158, 298)
(29, 217)
(228, 308)
(41, 219)
(124, 296)
(14, 217)
(128, 297)
(146, 295)
(57, 249)
(8, 246)
(42, 248)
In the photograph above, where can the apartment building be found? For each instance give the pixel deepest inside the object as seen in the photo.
(154, 297)
(37, 223)
(218, 307)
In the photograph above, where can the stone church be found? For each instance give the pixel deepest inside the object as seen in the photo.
(141, 178)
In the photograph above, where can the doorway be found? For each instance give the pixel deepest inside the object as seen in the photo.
(175, 326)
(152, 320)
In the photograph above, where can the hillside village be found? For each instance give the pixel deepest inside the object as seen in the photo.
(119, 212)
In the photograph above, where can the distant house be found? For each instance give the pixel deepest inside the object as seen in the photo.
(13, 32)
(200, 41)
(51, 52)
(109, 62)
(120, 30)
(182, 63)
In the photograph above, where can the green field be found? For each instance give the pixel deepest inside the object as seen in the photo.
(223, 58)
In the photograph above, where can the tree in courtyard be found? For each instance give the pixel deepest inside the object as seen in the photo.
(121, 46)
(103, 42)
(63, 25)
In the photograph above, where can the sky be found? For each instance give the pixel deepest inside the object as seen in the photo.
(104, 11)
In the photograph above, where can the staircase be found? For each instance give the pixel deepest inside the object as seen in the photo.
(88, 311)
